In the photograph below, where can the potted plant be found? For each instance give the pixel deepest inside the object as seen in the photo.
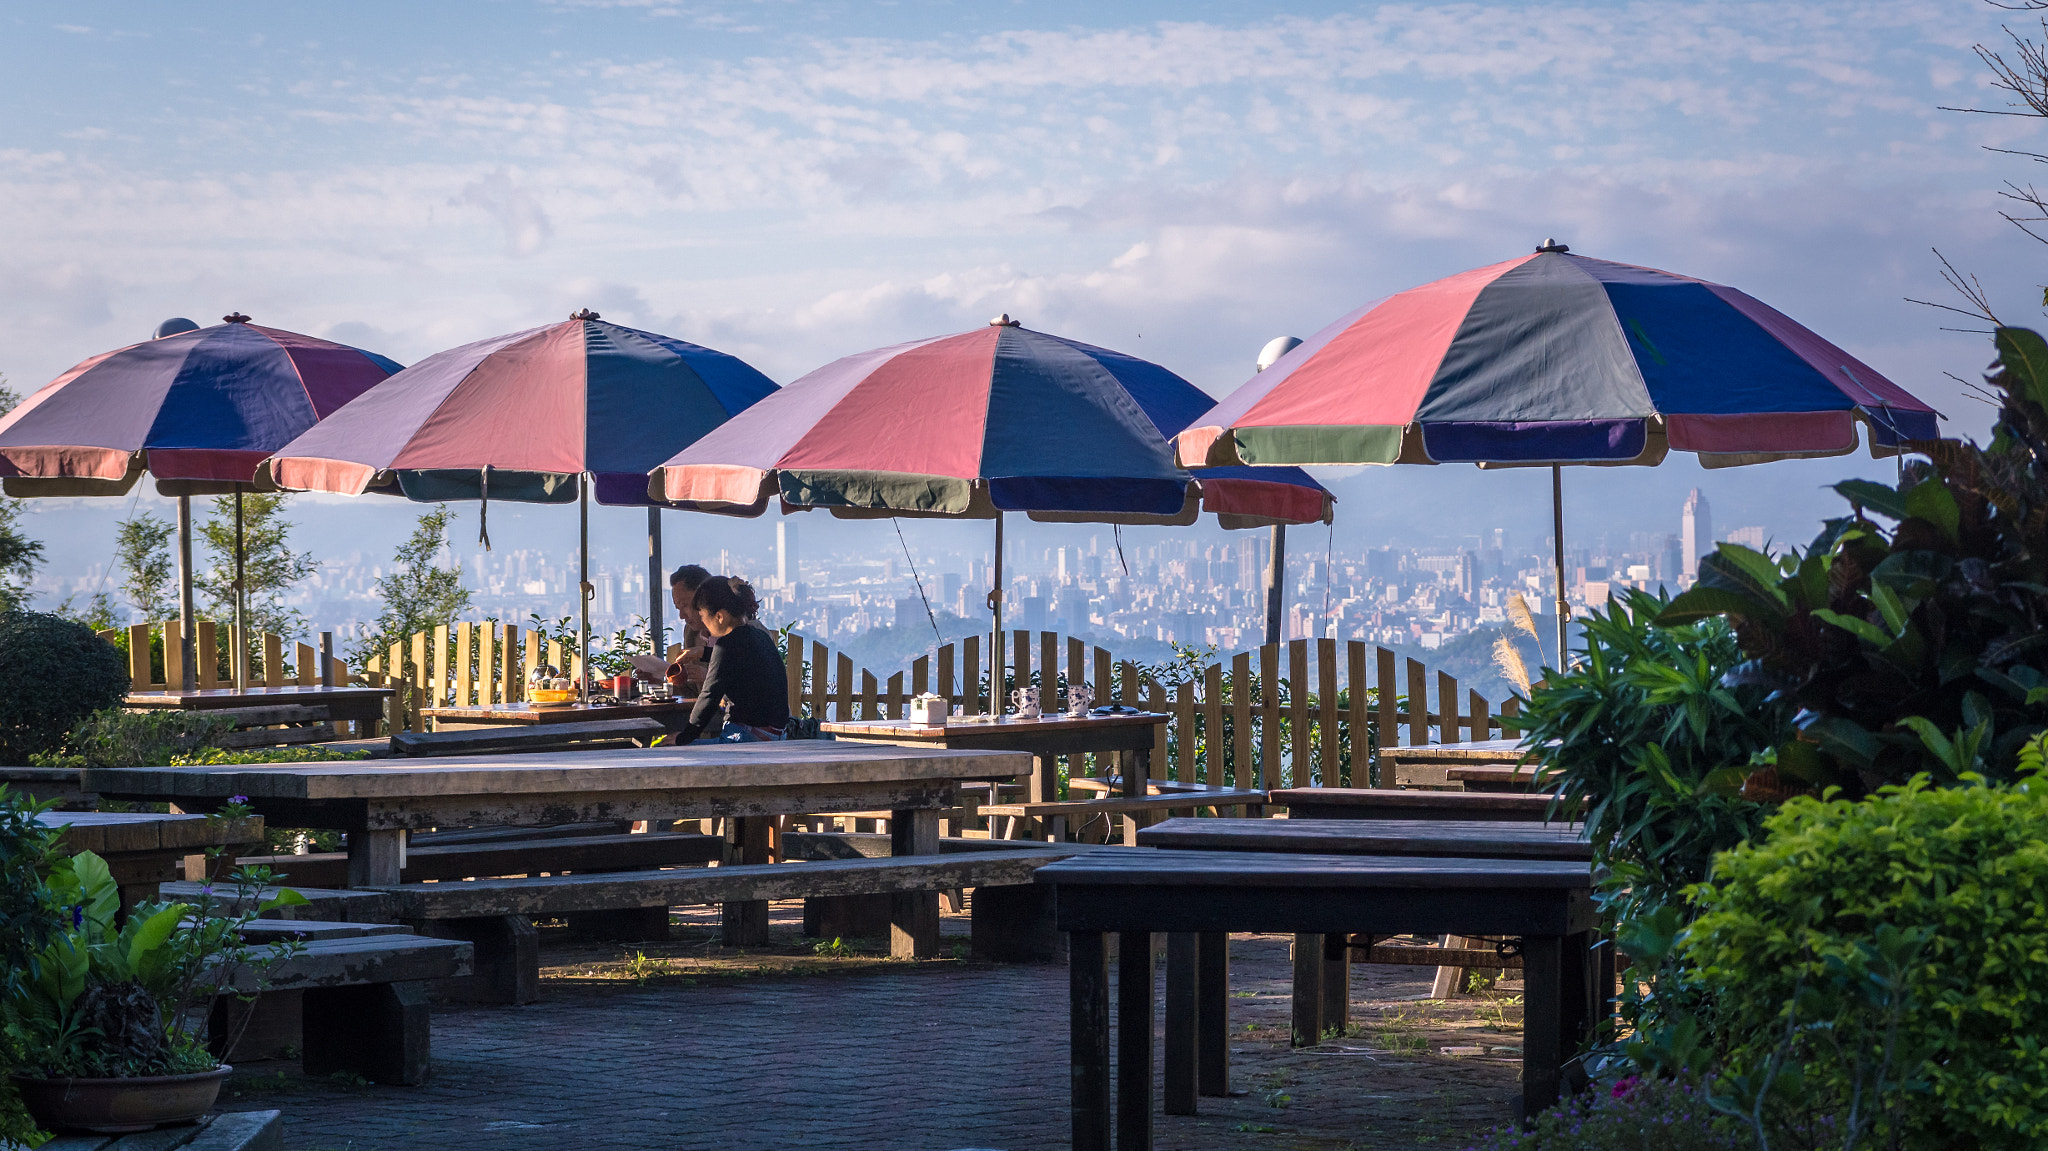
(100, 1019)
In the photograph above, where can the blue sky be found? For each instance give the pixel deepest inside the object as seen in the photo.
(792, 182)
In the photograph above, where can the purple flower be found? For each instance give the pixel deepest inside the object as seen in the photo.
(77, 916)
(206, 889)
(1623, 1086)
(238, 799)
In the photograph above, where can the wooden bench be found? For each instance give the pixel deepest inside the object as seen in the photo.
(638, 731)
(1057, 817)
(360, 998)
(1008, 923)
(323, 905)
(507, 856)
(1387, 803)
(60, 785)
(496, 914)
(275, 725)
(221, 1131)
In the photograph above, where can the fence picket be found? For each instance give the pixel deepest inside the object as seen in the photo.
(1418, 704)
(1270, 742)
(1244, 772)
(842, 697)
(1326, 711)
(867, 696)
(1184, 727)
(1478, 712)
(465, 666)
(308, 663)
(1447, 708)
(921, 675)
(970, 674)
(1215, 769)
(1361, 727)
(1298, 701)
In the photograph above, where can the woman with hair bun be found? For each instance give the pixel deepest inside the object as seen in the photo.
(746, 672)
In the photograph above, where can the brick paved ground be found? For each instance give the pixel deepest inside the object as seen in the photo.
(925, 1057)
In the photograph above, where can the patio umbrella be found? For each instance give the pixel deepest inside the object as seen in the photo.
(998, 419)
(197, 408)
(544, 415)
(1553, 359)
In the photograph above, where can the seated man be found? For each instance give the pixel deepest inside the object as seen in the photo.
(686, 672)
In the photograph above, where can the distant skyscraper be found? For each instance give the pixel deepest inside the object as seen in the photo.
(1696, 532)
(785, 554)
(1751, 537)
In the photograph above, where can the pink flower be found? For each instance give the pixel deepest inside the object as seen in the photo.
(1623, 1086)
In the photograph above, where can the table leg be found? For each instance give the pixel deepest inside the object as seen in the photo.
(914, 915)
(375, 858)
(1045, 779)
(1088, 1039)
(1543, 1023)
(745, 924)
(1308, 990)
(1212, 1012)
(1336, 983)
(1183, 1016)
(1134, 1041)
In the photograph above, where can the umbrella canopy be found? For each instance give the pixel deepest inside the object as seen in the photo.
(534, 409)
(1554, 358)
(997, 419)
(526, 417)
(199, 410)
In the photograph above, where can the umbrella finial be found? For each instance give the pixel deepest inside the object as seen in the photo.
(1550, 245)
(1004, 321)
(583, 314)
(176, 325)
(235, 318)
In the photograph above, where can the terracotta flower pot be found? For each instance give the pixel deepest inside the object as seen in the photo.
(119, 1106)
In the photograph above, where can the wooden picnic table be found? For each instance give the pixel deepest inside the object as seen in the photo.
(673, 713)
(378, 802)
(143, 848)
(1322, 963)
(355, 703)
(1425, 765)
(1547, 903)
(1392, 803)
(1495, 777)
(1130, 736)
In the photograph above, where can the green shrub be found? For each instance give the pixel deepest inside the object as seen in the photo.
(1909, 928)
(26, 849)
(116, 738)
(1938, 622)
(53, 673)
(1632, 1115)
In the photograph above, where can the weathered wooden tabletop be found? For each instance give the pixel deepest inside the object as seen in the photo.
(118, 832)
(1168, 868)
(958, 734)
(343, 701)
(1478, 751)
(1476, 839)
(1391, 803)
(516, 714)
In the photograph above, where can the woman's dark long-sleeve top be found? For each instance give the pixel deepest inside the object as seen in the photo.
(747, 675)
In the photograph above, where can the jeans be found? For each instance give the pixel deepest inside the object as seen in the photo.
(746, 733)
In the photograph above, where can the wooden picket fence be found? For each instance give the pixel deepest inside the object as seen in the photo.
(152, 671)
(1299, 714)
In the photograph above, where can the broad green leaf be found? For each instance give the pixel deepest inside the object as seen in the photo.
(1703, 602)
(286, 897)
(1873, 496)
(97, 889)
(1860, 628)
(146, 947)
(1889, 606)
(1931, 500)
(2024, 354)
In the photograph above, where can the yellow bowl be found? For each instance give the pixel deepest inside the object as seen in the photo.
(551, 695)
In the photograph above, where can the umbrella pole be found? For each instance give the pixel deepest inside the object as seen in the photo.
(239, 666)
(188, 647)
(583, 590)
(1564, 607)
(655, 647)
(1276, 577)
(995, 649)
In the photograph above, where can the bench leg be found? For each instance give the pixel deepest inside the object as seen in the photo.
(380, 1031)
(507, 967)
(914, 915)
(1212, 1018)
(1014, 925)
(1543, 1022)
(266, 1029)
(1308, 990)
(746, 841)
(1183, 1016)
(847, 916)
(1088, 1039)
(1134, 1041)
(1336, 983)
(627, 924)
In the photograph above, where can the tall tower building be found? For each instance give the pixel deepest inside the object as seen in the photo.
(785, 554)
(1696, 532)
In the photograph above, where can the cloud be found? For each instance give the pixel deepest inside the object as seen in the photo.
(514, 208)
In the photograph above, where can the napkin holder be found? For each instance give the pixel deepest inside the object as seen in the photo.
(929, 708)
